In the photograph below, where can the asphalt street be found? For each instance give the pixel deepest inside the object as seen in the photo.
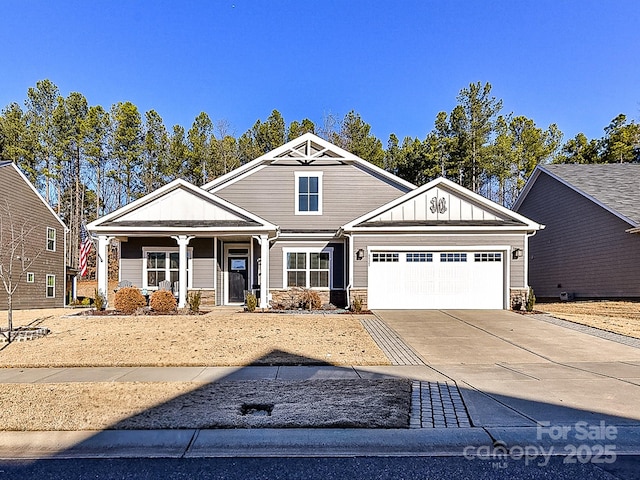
(396, 468)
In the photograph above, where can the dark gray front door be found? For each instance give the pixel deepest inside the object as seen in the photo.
(238, 278)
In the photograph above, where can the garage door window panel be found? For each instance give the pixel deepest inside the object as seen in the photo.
(488, 257)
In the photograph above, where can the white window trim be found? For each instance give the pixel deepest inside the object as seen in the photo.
(47, 286)
(31, 277)
(50, 229)
(146, 250)
(297, 176)
(307, 250)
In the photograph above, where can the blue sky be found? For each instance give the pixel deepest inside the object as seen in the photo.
(396, 63)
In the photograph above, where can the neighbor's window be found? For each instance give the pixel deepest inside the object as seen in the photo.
(51, 239)
(51, 286)
(31, 277)
(308, 193)
(308, 269)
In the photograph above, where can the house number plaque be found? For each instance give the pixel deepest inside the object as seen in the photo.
(438, 205)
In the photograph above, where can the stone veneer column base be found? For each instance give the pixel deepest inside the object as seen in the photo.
(362, 294)
(518, 298)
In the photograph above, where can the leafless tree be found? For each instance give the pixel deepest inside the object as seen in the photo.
(15, 261)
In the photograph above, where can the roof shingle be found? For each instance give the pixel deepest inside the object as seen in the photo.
(615, 185)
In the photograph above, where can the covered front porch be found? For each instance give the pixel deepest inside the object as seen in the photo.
(223, 268)
(190, 238)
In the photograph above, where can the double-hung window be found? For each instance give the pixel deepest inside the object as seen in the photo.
(308, 193)
(163, 264)
(51, 286)
(308, 269)
(51, 239)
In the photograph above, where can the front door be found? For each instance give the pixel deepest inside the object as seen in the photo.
(238, 278)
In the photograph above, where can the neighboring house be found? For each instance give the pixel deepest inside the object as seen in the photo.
(312, 215)
(590, 247)
(43, 285)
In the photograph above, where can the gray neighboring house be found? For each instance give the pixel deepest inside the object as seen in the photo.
(43, 286)
(310, 214)
(590, 247)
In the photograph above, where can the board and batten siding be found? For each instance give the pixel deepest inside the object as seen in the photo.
(347, 193)
(584, 249)
(131, 259)
(516, 240)
(276, 261)
(29, 210)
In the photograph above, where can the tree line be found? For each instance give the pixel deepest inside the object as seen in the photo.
(87, 160)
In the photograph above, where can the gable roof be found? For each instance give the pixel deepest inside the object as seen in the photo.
(177, 206)
(613, 186)
(441, 205)
(9, 164)
(306, 149)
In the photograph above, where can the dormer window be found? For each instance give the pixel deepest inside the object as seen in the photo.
(308, 193)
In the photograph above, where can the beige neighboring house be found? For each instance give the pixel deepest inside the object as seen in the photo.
(43, 285)
(310, 214)
(590, 247)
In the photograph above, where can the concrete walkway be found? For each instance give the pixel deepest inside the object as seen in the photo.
(512, 373)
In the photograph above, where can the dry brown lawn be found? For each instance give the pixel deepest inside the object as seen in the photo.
(220, 338)
(311, 403)
(617, 317)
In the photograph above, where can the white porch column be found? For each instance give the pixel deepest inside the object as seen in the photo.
(183, 242)
(264, 277)
(102, 266)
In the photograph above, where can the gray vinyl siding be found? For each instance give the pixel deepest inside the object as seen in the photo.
(131, 259)
(347, 193)
(584, 249)
(360, 267)
(28, 209)
(276, 259)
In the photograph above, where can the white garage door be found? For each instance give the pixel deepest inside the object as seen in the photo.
(439, 280)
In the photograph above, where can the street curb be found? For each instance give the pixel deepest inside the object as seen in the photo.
(299, 442)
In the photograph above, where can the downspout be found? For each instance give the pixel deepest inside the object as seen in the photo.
(349, 284)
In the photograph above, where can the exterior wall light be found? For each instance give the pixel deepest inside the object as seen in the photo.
(360, 254)
(517, 253)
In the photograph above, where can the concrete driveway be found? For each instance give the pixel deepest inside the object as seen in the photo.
(515, 370)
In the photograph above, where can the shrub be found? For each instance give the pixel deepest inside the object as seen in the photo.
(252, 302)
(162, 301)
(128, 300)
(531, 300)
(194, 299)
(100, 300)
(310, 299)
(356, 304)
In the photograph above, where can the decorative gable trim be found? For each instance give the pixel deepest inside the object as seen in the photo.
(230, 215)
(441, 204)
(305, 150)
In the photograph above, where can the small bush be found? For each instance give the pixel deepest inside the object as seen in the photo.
(252, 302)
(531, 301)
(128, 300)
(194, 299)
(100, 300)
(356, 305)
(310, 300)
(162, 301)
